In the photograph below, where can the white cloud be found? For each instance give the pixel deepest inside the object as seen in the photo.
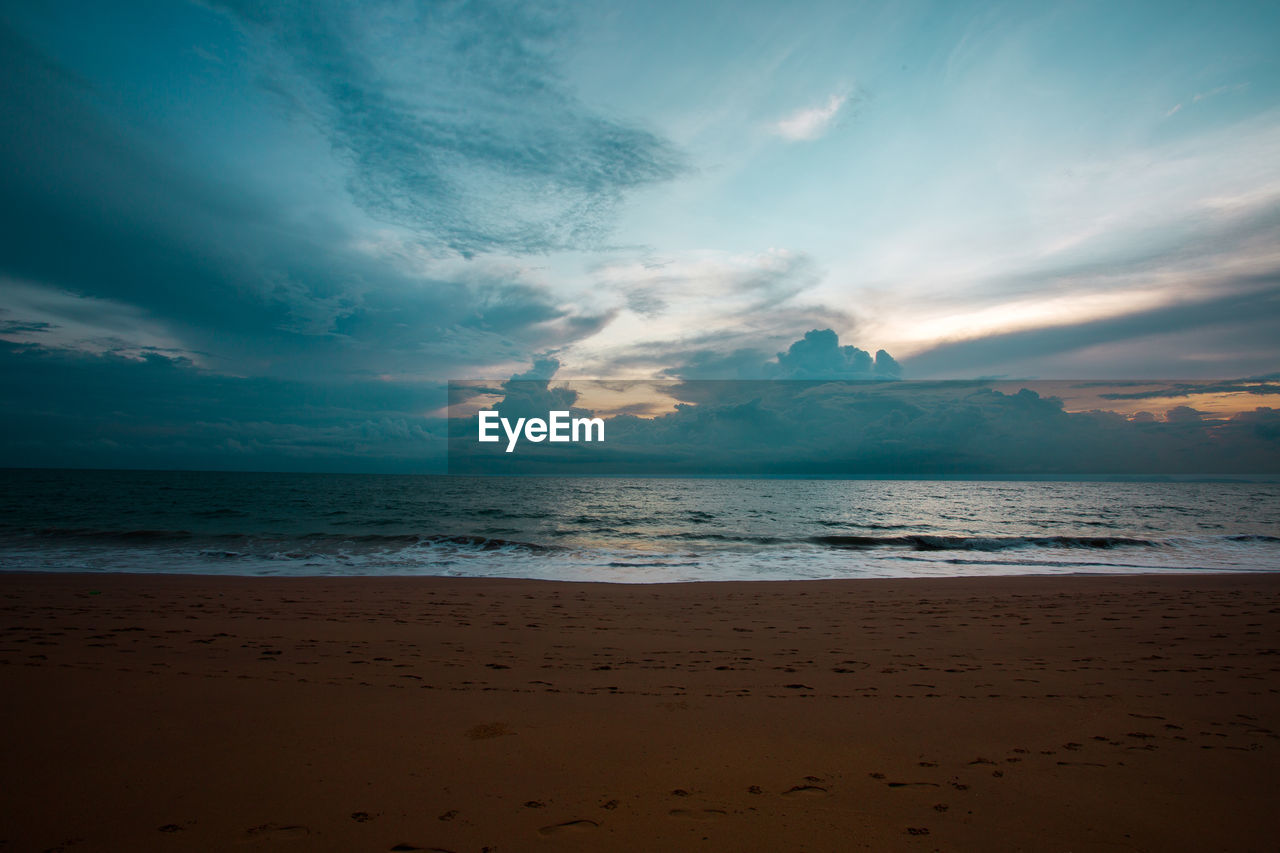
(1218, 91)
(812, 122)
(1202, 96)
(751, 296)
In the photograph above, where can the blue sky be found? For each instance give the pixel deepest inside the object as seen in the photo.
(351, 203)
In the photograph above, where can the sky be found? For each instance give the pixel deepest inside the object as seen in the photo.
(242, 234)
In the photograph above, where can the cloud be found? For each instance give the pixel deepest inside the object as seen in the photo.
(834, 428)
(542, 370)
(81, 409)
(744, 281)
(1036, 232)
(1261, 386)
(172, 256)
(57, 318)
(818, 355)
(1244, 318)
(10, 329)
(671, 311)
(159, 310)
(66, 408)
(810, 123)
(453, 122)
(1202, 96)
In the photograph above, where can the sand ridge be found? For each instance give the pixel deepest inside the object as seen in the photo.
(150, 712)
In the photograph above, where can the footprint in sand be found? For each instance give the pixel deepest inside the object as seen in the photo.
(805, 791)
(275, 832)
(568, 826)
(698, 814)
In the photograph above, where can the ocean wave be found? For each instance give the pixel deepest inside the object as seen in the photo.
(738, 538)
(647, 560)
(281, 545)
(979, 543)
(220, 542)
(122, 536)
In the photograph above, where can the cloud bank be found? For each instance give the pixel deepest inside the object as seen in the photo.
(916, 429)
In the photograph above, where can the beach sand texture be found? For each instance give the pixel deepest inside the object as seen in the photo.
(1038, 713)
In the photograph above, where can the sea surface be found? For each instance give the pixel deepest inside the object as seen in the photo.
(627, 530)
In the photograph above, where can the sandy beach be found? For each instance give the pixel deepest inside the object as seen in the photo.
(152, 712)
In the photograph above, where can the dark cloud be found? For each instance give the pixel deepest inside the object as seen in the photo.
(541, 371)
(818, 355)
(67, 408)
(21, 327)
(462, 131)
(71, 409)
(1259, 386)
(739, 363)
(1183, 414)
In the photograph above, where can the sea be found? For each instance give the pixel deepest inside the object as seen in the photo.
(635, 530)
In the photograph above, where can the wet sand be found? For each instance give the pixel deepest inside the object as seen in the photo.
(1067, 713)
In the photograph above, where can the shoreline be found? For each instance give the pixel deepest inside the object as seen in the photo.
(157, 711)
(1154, 573)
